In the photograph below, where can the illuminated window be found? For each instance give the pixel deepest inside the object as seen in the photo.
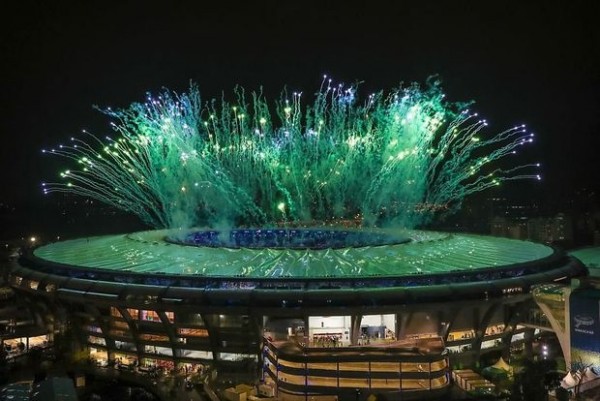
(150, 316)
(153, 337)
(134, 313)
(96, 340)
(93, 329)
(189, 353)
(228, 356)
(192, 332)
(151, 349)
(170, 316)
(125, 346)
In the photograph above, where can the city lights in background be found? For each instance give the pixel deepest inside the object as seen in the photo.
(401, 157)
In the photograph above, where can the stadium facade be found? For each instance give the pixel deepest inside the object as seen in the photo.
(142, 300)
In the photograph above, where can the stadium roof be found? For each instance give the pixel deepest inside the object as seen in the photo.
(428, 253)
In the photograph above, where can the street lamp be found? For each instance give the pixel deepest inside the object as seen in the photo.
(545, 351)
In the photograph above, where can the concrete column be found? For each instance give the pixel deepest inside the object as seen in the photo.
(528, 342)
(306, 327)
(355, 321)
(402, 321)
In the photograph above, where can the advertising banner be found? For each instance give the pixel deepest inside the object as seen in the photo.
(585, 327)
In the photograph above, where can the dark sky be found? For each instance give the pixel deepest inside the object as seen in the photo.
(522, 62)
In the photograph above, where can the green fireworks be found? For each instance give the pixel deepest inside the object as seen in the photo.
(402, 157)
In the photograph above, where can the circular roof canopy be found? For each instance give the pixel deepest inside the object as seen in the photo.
(426, 253)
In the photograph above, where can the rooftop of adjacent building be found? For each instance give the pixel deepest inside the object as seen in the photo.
(590, 257)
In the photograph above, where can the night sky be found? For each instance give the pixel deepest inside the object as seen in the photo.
(521, 62)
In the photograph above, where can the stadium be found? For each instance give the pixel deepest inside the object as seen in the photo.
(396, 309)
(315, 299)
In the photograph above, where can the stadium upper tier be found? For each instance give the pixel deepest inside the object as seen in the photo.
(427, 253)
